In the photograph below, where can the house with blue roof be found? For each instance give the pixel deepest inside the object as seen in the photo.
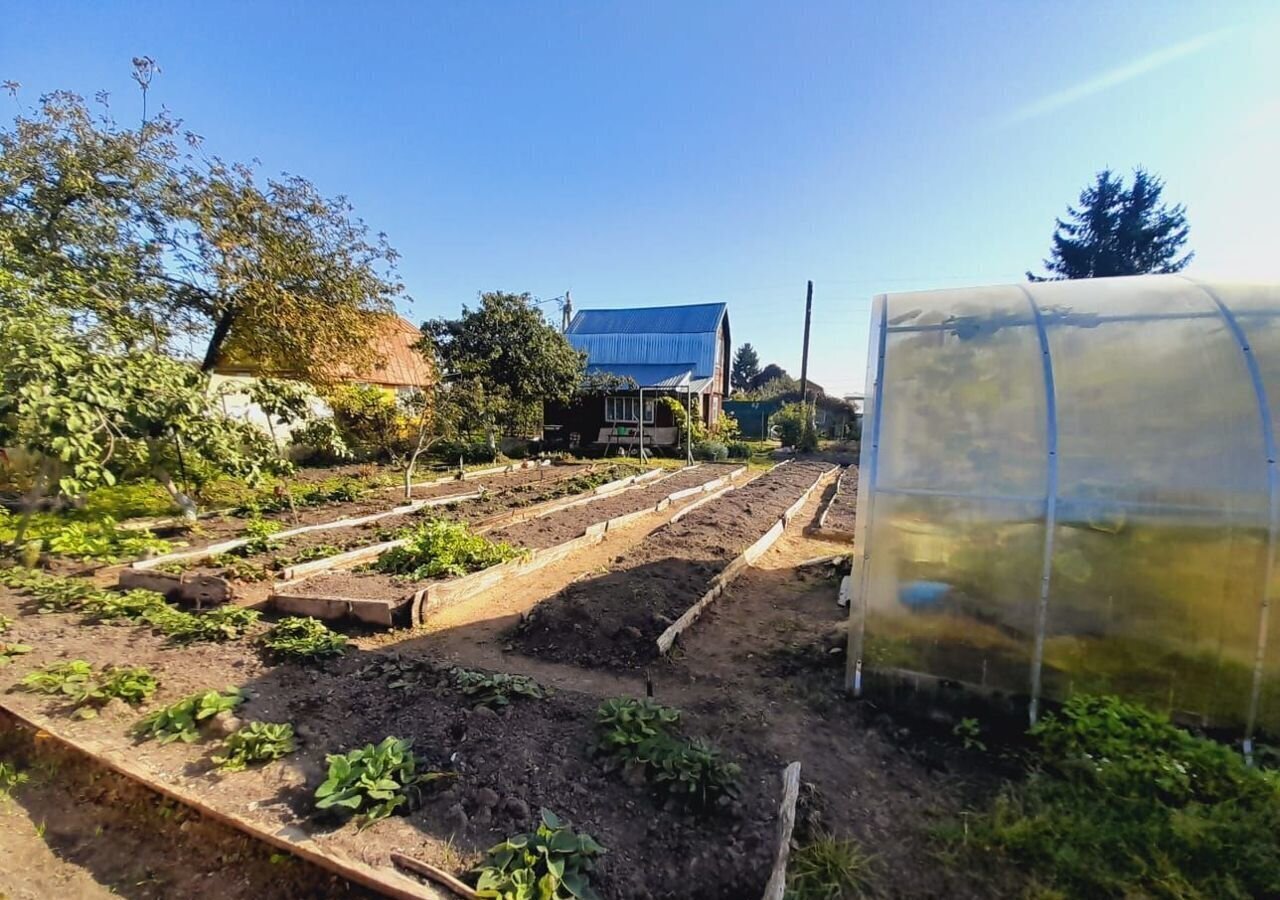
(643, 354)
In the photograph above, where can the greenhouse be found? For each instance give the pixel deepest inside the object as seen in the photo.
(1071, 486)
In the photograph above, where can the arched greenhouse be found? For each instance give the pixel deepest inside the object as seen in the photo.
(1072, 486)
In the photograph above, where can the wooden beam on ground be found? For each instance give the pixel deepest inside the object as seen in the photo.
(777, 884)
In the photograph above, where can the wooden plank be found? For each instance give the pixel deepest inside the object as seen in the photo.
(439, 876)
(777, 884)
(337, 561)
(756, 550)
(382, 880)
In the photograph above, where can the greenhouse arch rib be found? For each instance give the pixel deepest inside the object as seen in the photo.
(1273, 491)
(1050, 504)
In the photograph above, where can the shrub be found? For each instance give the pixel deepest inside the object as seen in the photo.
(552, 863)
(372, 781)
(1121, 803)
(711, 451)
(369, 420)
(303, 638)
(739, 450)
(638, 735)
(256, 742)
(471, 452)
(319, 442)
(181, 721)
(439, 547)
(795, 424)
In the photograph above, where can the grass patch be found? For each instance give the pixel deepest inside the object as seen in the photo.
(1121, 803)
(829, 868)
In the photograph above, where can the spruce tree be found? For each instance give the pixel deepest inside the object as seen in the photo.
(1118, 231)
(746, 366)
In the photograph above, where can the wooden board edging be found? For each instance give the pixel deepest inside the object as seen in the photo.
(668, 637)
(385, 881)
(777, 883)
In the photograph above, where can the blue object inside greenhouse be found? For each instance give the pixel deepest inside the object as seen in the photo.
(1072, 487)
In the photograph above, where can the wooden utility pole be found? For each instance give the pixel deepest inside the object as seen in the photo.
(804, 359)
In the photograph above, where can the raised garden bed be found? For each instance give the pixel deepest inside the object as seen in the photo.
(225, 571)
(385, 599)
(501, 764)
(616, 619)
(836, 520)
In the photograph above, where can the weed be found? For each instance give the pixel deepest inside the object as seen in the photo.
(1122, 803)
(637, 735)
(181, 721)
(9, 651)
(969, 731)
(552, 863)
(496, 689)
(442, 548)
(256, 742)
(828, 868)
(10, 778)
(372, 781)
(303, 638)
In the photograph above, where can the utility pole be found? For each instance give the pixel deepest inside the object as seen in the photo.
(804, 359)
(567, 311)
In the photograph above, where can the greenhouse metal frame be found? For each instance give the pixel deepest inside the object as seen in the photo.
(1072, 486)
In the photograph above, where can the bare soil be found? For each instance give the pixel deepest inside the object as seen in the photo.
(614, 620)
(75, 831)
(844, 504)
(567, 524)
(534, 534)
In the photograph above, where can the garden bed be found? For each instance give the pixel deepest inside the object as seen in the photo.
(502, 765)
(383, 598)
(614, 620)
(836, 521)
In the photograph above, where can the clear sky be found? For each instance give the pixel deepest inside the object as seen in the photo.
(673, 152)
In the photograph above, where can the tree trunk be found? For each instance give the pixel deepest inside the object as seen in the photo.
(29, 504)
(219, 337)
(181, 500)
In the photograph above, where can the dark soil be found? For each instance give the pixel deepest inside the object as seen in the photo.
(505, 765)
(615, 619)
(844, 506)
(567, 524)
(534, 534)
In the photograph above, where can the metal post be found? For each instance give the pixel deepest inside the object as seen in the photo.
(640, 416)
(688, 424)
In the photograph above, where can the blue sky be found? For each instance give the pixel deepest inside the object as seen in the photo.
(653, 153)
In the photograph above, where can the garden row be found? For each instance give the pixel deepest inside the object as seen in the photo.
(441, 562)
(615, 620)
(837, 518)
(457, 762)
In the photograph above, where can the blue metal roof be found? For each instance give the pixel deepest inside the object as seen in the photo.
(652, 336)
(648, 376)
(698, 318)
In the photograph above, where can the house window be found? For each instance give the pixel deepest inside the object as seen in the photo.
(627, 409)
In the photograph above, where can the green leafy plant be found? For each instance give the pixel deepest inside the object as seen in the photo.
(441, 548)
(1119, 802)
(307, 554)
(5, 623)
(9, 651)
(638, 735)
(303, 638)
(85, 689)
(828, 868)
(256, 742)
(258, 533)
(969, 731)
(399, 673)
(552, 863)
(495, 689)
(10, 778)
(225, 623)
(100, 540)
(372, 781)
(131, 606)
(52, 593)
(239, 569)
(181, 721)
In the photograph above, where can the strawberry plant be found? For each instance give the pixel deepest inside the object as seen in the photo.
(441, 548)
(639, 736)
(373, 781)
(256, 742)
(495, 689)
(226, 623)
(258, 532)
(181, 721)
(5, 623)
(131, 606)
(9, 651)
(84, 688)
(239, 569)
(303, 638)
(306, 554)
(552, 863)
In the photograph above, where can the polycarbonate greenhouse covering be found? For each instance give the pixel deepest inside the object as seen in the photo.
(1071, 487)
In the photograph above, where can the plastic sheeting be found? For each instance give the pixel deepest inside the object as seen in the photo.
(1072, 486)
